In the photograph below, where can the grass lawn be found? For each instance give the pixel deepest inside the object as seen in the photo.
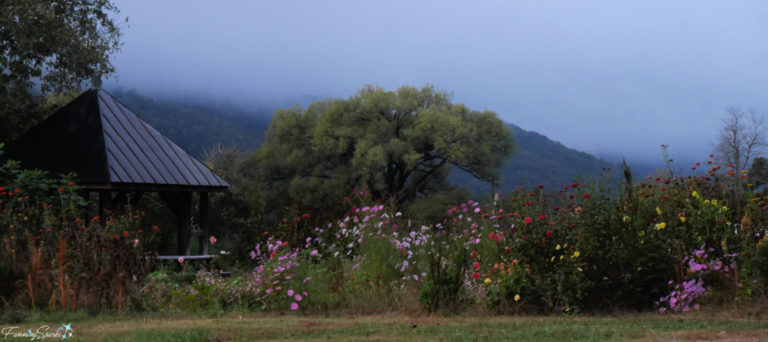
(248, 327)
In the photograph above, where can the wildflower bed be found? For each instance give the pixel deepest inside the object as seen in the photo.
(669, 244)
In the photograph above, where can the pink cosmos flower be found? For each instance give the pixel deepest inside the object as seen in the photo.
(294, 306)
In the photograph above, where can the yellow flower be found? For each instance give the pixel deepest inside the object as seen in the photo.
(558, 247)
(553, 259)
(517, 297)
(576, 254)
(695, 194)
(706, 201)
(658, 211)
(626, 218)
(724, 208)
(488, 281)
(714, 202)
(682, 219)
(561, 257)
(579, 268)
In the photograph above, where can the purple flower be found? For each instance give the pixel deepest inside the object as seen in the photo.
(294, 306)
(290, 293)
(297, 297)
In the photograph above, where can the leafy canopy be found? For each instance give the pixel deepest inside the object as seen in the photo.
(50, 46)
(400, 145)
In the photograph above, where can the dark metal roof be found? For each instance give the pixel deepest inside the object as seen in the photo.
(110, 147)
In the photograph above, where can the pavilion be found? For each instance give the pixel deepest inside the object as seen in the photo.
(119, 156)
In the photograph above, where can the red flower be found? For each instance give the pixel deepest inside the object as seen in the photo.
(476, 265)
(305, 216)
(212, 240)
(506, 249)
(474, 254)
(664, 197)
(60, 189)
(542, 217)
(491, 236)
(525, 237)
(125, 234)
(485, 216)
(476, 275)
(587, 196)
(528, 220)
(155, 228)
(549, 234)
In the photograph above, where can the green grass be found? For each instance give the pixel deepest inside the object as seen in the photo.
(249, 327)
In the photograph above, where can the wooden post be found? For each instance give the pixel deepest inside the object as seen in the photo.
(204, 222)
(183, 228)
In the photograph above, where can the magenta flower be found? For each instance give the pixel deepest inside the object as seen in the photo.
(290, 293)
(294, 306)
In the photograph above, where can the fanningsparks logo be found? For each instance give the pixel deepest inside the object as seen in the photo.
(40, 333)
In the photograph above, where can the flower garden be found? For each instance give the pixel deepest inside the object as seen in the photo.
(668, 244)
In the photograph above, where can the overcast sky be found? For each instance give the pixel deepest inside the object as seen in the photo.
(613, 78)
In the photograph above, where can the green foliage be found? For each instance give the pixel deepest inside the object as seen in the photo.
(397, 145)
(53, 46)
(201, 291)
(431, 208)
(55, 258)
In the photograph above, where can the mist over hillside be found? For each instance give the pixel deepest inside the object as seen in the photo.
(197, 124)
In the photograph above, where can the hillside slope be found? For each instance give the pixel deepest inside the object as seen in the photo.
(538, 161)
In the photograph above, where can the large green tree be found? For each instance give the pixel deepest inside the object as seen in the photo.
(50, 47)
(399, 145)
